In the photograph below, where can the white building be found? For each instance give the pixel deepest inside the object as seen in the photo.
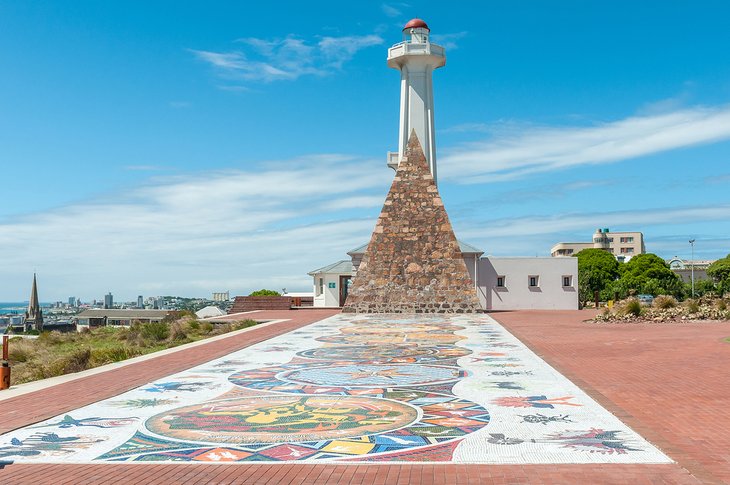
(528, 283)
(502, 283)
(623, 245)
(331, 283)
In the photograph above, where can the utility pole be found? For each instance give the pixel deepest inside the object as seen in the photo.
(692, 265)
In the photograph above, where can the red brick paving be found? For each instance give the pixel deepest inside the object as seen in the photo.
(348, 474)
(667, 381)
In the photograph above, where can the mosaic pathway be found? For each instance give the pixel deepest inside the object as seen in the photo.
(350, 389)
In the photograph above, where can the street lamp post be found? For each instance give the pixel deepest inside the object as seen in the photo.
(692, 265)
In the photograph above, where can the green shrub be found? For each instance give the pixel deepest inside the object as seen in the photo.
(112, 354)
(194, 325)
(76, 361)
(693, 306)
(632, 307)
(721, 305)
(265, 293)
(178, 330)
(50, 338)
(665, 301)
(21, 350)
(155, 331)
(206, 327)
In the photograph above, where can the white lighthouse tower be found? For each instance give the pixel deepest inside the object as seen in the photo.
(416, 58)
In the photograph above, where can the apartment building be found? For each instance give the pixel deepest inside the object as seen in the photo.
(623, 245)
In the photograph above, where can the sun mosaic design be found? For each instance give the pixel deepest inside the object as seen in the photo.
(378, 388)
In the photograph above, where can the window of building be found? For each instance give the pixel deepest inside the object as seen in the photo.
(627, 239)
(534, 281)
(567, 280)
(627, 250)
(320, 290)
(500, 281)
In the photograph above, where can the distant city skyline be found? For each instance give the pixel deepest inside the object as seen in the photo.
(186, 149)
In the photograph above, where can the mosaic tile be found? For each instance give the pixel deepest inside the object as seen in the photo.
(380, 388)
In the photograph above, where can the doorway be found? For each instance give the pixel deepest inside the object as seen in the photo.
(344, 287)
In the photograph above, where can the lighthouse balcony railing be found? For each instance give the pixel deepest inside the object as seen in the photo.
(404, 48)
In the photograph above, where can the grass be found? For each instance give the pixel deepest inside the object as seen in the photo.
(54, 353)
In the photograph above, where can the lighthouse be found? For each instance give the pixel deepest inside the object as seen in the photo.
(416, 58)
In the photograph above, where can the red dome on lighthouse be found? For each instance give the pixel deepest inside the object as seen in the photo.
(416, 24)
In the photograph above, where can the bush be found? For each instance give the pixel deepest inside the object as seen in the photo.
(244, 324)
(632, 307)
(50, 338)
(21, 350)
(664, 302)
(155, 331)
(178, 330)
(265, 293)
(693, 306)
(112, 354)
(194, 325)
(76, 361)
(206, 327)
(721, 305)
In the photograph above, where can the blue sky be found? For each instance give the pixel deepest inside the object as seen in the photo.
(189, 147)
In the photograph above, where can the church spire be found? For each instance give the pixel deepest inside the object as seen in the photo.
(34, 314)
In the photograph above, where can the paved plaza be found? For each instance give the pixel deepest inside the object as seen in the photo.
(350, 389)
(666, 382)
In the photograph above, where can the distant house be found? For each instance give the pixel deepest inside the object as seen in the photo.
(684, 268)
(93, 318)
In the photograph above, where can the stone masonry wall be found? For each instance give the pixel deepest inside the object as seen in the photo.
(413, 263)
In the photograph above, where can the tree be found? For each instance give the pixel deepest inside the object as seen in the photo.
(648, 274)
(702, 287)
(597, 269)
(719, 271)
(265, 293)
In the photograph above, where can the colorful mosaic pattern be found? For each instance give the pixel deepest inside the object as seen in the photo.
(352, 388)
(281, 419)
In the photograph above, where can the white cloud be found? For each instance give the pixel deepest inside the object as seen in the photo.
(338, 50)
(568, 222)
(517, 151)
(448, 41)
(267, 60)
(393, 9)
(227, 230)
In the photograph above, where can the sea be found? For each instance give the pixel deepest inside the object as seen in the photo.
(17, 306)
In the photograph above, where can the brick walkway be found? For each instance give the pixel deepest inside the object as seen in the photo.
(666, 381)
(669, 382)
